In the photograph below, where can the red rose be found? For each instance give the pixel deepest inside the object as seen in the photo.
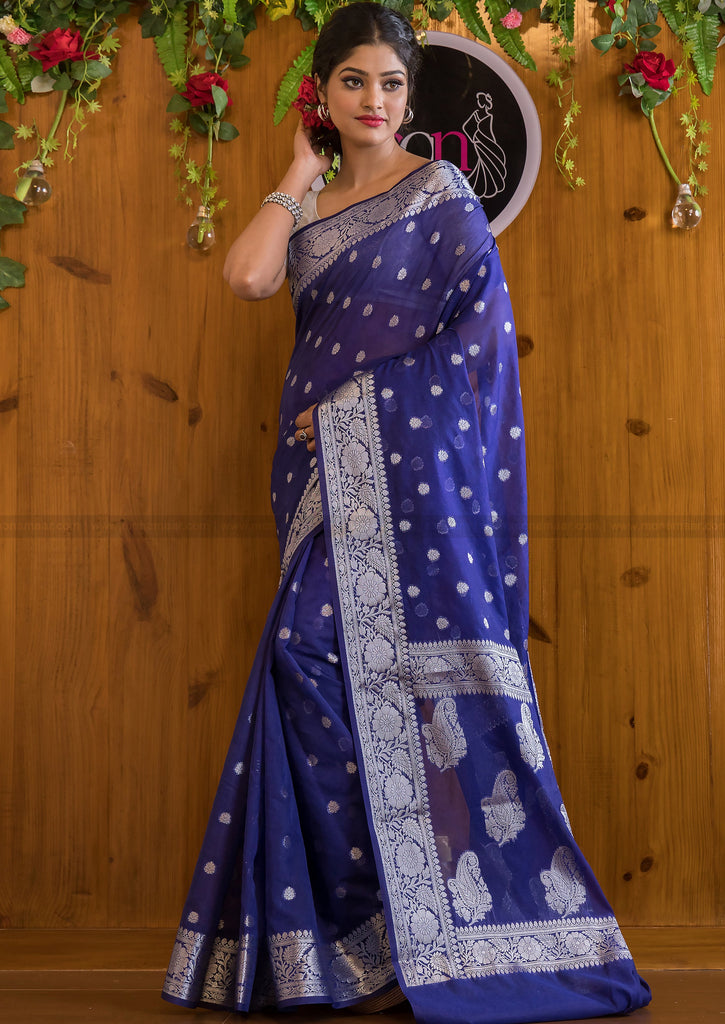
(58, 45)
(198, 89)
(654, 68)
(307, 103)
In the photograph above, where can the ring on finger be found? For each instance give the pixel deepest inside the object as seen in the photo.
(302, 435)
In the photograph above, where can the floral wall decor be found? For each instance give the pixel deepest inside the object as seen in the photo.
(68, 47)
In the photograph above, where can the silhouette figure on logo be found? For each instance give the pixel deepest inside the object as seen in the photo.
(488, 176)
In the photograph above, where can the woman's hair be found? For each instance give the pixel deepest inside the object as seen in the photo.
(362, 24)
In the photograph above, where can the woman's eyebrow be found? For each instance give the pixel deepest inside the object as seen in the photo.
(364, 74)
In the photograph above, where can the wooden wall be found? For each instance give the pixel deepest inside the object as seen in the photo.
(138, 403)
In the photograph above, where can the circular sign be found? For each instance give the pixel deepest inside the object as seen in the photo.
(472, 108)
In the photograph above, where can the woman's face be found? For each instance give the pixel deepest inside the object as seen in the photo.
(366, 95)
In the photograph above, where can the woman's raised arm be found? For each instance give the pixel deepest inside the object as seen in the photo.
(256, 263)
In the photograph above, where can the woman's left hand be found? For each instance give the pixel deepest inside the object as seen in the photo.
(306, 428)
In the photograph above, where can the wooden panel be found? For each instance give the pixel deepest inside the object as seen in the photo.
(137, 550)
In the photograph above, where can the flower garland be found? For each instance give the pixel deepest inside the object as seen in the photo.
(68, 48)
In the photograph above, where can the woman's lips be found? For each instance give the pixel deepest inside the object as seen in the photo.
(372, 121)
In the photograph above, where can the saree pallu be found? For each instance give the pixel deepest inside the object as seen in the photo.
(388, 808)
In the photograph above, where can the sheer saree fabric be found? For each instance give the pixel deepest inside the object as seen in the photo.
(388, 808)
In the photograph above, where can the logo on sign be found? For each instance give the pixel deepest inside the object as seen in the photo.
(471, 108)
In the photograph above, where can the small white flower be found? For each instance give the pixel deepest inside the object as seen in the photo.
(355, 853)
(462, 588)
(424, 925)
(209, 867)
(504, 474)
(433, 554)
(487, 596)
(289, 893)
(192, 917)
(442, 623)
(239, 767)
(456, 358)
(413, 591)
(515, 432)
(508, 326)
(442, 455)
(423, 488)
(523, 539)
(225, 818)
(510, 578)
(333, 807)
(379, 654)
(466, 492)
(426, 285)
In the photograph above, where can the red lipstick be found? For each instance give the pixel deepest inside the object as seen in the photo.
(372, 121)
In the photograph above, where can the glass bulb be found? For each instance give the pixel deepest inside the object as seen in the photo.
(33, 189)
(201, 235)
(686, 212)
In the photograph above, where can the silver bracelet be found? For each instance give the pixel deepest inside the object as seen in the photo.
(289, 202)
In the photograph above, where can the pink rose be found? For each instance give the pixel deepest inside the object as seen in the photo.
(513, 19)
(19, 36)
(59, 45)
(198, 89)
(654, 68)
(307, 103)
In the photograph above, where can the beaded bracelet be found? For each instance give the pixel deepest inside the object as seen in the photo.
(289, 202)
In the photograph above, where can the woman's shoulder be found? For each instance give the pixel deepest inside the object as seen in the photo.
(444, 176)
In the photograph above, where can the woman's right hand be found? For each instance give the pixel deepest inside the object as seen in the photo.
(306, 155)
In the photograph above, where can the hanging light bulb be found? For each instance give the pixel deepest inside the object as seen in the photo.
(686, 212)
(33, 189)
(201, 235)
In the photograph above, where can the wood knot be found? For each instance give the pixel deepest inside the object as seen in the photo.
(647, 864)
(635, 213)
(77, 268)
(263, 427)
(140, 570)
(631, 722)
(9, 403)
(642, 770)
(638, 427)
(195, 414)
(627, 876)
(637, 576)
(524, 345)
(159, 388)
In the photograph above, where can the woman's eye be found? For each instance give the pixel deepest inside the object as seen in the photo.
(353, 82)
(394, 84)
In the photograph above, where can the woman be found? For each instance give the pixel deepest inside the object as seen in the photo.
(388, 813)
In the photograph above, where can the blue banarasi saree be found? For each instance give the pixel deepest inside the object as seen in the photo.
(388, 811)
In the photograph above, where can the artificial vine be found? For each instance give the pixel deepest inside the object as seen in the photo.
(68, 47)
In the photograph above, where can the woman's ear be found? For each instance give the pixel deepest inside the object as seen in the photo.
(321, 91)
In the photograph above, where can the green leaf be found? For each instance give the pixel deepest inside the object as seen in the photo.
(438, 9)
(7, 136)
(94, 69)
(227, 132)
(171, 44)
(471, 18)
(704, 36)
(290, 84)
(230, 11)
(3, 102)
(674, 17)
(151, 24)
(566, 19)
(11, 211)
(177, 103)
(509, 38)
(12, 273)
(603, 43)
(220, 99)
(3, 304)
(27, 70)
(9, 80)
(650, 31)
(198, 123)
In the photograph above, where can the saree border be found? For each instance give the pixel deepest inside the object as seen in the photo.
(319, 244)
(381, 669)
